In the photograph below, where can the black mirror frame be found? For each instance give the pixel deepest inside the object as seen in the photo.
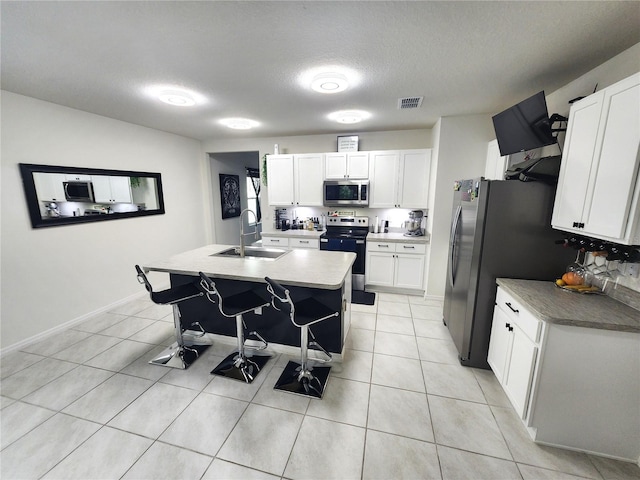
(27, 170)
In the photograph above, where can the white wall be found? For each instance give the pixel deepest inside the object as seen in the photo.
(51, 276)
(460, 151)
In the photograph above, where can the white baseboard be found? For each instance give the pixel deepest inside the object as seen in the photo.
(64, 326)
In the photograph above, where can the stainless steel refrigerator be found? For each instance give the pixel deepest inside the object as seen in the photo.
(499, 228)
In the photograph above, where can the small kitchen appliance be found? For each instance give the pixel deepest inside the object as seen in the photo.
(414, 224)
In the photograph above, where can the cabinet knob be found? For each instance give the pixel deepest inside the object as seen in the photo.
(509, 327)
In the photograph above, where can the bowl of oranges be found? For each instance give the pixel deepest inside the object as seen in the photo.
(573, 281)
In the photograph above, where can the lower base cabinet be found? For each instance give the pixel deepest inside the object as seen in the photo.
(573, 387)
(512, 352)
(291, 242)
(399, 265)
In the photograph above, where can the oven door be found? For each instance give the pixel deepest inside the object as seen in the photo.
(347, 245)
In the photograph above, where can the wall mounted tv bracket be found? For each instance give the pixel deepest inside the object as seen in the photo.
(557, 118)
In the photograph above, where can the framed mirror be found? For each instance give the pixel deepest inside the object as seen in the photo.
(58, 195)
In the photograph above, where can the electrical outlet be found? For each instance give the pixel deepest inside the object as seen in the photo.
(633, 270)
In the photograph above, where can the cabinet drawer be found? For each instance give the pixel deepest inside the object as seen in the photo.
(381, 247)
(304, 243)
(411, 248)
(275, 242)
(519, 315)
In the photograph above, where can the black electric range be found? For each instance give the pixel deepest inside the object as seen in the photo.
(348, 234)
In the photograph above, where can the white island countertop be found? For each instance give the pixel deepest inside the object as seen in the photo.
(298, 267)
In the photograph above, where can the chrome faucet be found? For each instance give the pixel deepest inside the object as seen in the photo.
(242, 234)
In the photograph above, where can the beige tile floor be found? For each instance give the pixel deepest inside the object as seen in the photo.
(85, 404)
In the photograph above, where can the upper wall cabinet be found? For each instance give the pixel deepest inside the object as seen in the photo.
(495, 165)
(351, 165)
(400, 178)
(108, 189)
(599, 186)
(295, 179)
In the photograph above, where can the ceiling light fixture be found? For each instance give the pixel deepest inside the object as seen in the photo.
(329, 78)
(175, 95)
(239, 123)
(329, 83)
(176, 98)
(349, 116)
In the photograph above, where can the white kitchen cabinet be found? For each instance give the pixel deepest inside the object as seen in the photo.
(290, 242)
(598, 184)
(351, 165)
(295, 179)
(400, 178)
(513, 349)
(496, 164)
(280, 180)
(573, 384)
(49, 187)
(393, 264)
(111, 189)
(313, 243)
(281, 242)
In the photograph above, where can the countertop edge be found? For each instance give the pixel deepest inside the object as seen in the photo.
(507, 284)
(397, 238)
(191, 262)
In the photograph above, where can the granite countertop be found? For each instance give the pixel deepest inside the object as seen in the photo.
(397, 237)
(298, 267)
(562, 307)
(294, 233)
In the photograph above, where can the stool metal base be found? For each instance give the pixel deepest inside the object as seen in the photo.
(239, 368)
(180, 357)
(309, 384)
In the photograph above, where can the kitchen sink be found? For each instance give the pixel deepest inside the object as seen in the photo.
(252, 252)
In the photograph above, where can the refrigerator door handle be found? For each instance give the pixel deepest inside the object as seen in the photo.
(453, 244)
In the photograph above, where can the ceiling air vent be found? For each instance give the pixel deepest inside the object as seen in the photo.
(409, 102)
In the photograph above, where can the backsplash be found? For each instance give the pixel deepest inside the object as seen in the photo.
(613, 277)
(395, 216)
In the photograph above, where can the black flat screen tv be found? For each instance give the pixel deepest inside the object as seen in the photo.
(524, 126)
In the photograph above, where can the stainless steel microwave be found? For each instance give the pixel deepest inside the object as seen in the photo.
(78, 191)
(338, 193)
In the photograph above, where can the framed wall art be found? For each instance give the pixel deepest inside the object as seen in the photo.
(230, 195)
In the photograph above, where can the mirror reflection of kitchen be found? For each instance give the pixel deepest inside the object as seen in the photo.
(71, 195)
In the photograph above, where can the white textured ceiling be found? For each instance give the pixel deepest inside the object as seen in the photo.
(245, 57)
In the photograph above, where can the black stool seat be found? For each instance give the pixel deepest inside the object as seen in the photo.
(172, 295)
(310, 310)
(241, 302)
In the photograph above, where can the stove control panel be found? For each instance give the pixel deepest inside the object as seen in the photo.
(348, 222)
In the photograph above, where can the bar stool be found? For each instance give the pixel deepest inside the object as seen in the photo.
(182, 353)
(238, 365)
(302, 378)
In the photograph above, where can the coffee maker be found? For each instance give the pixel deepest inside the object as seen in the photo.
(281, 219)
(414, 224)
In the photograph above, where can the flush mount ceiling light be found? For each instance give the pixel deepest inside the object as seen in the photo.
(176, 98)
(349, 116)
(239, 123)
(329, 79)
(329, 83)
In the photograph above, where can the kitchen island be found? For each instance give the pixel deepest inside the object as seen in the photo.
(323, 275)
